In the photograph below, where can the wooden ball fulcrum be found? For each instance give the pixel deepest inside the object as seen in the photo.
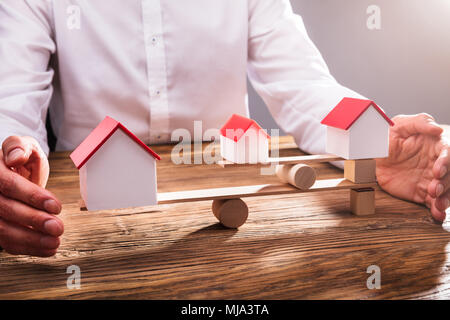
(232, 213)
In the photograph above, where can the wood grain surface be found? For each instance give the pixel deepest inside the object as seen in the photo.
(293, 246)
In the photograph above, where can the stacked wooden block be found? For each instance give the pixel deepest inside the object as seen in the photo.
(362, 201)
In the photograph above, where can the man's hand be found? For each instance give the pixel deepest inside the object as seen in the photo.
(27, 221)
(417, 168)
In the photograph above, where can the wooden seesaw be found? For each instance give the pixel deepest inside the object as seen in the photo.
(296, 176)
(355, 127)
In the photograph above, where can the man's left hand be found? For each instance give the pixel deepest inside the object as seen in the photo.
(418, 166)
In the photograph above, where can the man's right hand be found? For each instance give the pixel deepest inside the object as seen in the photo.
(27, 222)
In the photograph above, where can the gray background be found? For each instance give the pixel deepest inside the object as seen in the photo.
(404, 67)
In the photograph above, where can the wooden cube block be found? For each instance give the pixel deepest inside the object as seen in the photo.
(362, 201)
(360, 171)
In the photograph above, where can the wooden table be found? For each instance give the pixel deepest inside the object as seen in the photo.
(300, 246)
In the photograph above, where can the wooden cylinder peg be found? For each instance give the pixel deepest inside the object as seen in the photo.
(300, 175)
(232, 213)
(282, 171)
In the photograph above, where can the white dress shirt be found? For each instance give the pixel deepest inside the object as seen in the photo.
(158, 65)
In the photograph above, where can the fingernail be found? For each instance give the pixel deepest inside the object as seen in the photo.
(439, 190)
(443, 172)
(49, 242)
(52, 227)
(51, 206)
(15, 154)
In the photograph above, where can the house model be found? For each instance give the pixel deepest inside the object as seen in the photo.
(117, 170)
(242, 140)
(357, 129)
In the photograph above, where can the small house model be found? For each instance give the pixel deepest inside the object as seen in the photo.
(117, 170)
(242, 140)
(357, 129)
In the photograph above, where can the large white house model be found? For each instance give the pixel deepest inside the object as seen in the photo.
(117, 170)
(242, 140)
(357, 129)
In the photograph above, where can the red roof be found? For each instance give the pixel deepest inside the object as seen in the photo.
(237, 125)
(344, 115)
(98, 137)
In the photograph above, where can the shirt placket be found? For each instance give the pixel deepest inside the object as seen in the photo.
(156, 71)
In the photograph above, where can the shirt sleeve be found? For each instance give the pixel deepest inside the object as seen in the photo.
(289, 73)
(26, 46)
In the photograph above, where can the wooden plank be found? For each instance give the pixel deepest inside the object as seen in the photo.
(309, 159)
(255, 191)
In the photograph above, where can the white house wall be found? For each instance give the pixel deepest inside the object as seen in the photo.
(247, 147)
(227, 148)
(263, 147)
(252, 147)
(120, 174)
(338, 142)
(369, 136)
(83, 184)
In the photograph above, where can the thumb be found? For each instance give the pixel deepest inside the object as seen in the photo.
(16, 151)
